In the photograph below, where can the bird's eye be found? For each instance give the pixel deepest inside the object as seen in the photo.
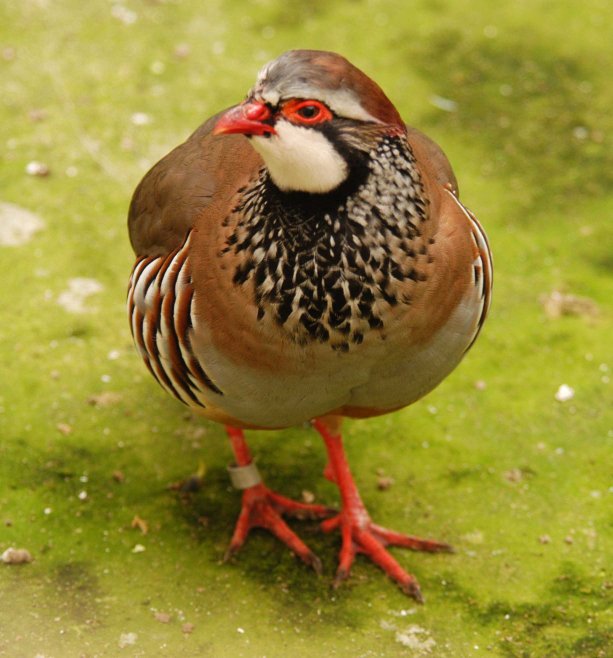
(306, 112)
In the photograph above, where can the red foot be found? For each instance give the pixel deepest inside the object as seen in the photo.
(262, 508)
(359, 534)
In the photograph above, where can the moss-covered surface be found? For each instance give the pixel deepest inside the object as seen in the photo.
(519, 482)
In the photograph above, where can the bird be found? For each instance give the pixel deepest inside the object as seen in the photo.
(304, 257)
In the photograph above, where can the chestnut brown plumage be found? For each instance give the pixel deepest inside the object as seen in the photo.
(305, 256)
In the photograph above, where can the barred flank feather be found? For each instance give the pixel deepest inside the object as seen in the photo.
(160, 304)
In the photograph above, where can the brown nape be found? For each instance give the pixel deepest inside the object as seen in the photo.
(372, 97)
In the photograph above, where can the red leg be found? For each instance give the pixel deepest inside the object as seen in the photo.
(263, 508)
(359, 533)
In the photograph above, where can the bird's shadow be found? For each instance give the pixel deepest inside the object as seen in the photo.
(210, 514)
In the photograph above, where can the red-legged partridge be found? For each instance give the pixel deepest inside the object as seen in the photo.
(304, 256)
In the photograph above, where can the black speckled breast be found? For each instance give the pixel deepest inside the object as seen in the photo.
(327, 270)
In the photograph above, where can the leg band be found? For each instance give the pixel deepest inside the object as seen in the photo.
(243, 477)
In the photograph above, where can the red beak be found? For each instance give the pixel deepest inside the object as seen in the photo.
(248, 118)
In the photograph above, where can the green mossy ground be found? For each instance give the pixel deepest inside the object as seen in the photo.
(519, 482)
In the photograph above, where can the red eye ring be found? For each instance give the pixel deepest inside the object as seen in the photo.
(306, 112)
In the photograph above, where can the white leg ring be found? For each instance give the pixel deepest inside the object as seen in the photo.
(243, 477)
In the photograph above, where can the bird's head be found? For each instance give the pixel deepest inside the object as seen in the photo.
(313, 117)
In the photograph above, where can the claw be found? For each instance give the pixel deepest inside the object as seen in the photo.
(413, 590)
(313, 561)
(362, 536)
(262, 508)
(359, 534)
(341, 576)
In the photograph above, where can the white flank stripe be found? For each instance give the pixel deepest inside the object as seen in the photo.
(141, 281)
(165, 283)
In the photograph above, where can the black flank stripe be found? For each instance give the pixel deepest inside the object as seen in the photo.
(183, 307)
(177, 364)
(194, 365)
(138, 321)
(131, 309)
(154, 316)
(198, 371)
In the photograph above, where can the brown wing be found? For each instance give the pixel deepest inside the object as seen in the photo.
(428, 151)
(460, 255)
(176, 191)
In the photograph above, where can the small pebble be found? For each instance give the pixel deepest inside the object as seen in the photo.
(187, 628)
(514, 475)
(123, 14)
(308, 496)
(565, 393)
(581, 132)
(105, 399)
(16, 556)
(545, 539)
(64, 428)
(558, 304)
(36, 168)
(162, 617)
(384, 482)
(140, 119)
(118, 476)
(127, 639)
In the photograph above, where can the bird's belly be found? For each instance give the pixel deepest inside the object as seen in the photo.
(380, 374)
(402, 377)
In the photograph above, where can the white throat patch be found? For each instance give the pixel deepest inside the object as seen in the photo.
(301, 159)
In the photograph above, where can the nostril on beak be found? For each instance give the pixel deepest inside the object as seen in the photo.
(256, 112)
